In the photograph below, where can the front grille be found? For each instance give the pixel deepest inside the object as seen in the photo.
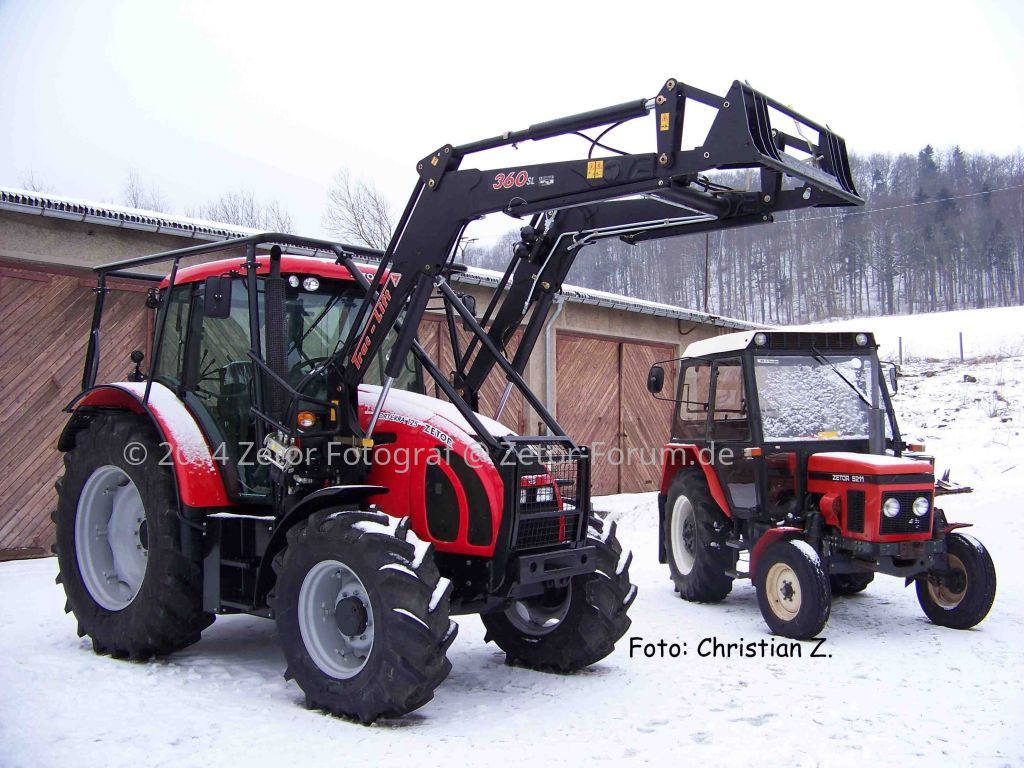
(855, 511)
(906, 521)
(548, 523)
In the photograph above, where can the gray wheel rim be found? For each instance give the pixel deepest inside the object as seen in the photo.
(327, 589)
(532, 617)
(111, 538)
(683, 532)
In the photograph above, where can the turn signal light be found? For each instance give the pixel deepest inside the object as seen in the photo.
(749, 453)
(306, 419)
(915, 447)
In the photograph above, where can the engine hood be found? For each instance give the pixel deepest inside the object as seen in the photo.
(416, 410)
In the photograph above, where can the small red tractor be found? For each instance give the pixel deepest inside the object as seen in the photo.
(281, 458)
(786, 451)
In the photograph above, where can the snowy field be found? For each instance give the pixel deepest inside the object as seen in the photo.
(997, 332)
(892, 688)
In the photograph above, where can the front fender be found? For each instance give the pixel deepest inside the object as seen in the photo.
(767, 538)
(333, 496)
(196, 473)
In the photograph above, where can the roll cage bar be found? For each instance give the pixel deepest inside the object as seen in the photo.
(571, 204)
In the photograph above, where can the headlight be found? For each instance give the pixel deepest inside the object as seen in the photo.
(546, 494)
(760, 339)
(293, 281)
(310, 283)
(891, 507)
(861, 339)
(921, 506)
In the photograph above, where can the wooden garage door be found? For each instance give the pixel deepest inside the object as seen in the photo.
(44, 325)
(603, 402)
(646, 421)
(436, 341)
(588, 402)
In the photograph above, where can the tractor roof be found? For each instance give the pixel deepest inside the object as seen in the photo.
(782, 339)
(290, 264)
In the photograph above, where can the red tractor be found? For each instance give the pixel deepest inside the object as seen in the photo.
(280, 457)
(786, 450)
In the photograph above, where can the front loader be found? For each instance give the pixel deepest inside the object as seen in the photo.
(280, 458)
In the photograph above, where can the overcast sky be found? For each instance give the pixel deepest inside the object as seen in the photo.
(202, 97)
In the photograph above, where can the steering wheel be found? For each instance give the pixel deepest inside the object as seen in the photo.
(303, 367)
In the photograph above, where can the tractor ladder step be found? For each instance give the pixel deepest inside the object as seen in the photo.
(736, 543)
(737, 574)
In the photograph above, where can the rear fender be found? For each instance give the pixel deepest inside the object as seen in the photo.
(196, 474)
(767, 539)
(334, 496)
(677, 456)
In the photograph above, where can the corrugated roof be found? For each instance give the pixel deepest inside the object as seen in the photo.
(108, 214)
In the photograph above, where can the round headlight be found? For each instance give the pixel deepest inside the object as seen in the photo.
(293, 281)
(310, 283)
(861, 339)
(760, 339)
(921, 506)
(891, 507)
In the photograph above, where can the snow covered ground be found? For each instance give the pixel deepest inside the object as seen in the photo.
(893, 688)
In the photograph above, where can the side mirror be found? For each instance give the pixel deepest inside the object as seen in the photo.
(655, 379)
(137, 375)
(894, 386)
(217, 297)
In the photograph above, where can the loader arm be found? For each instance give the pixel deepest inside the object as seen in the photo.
(574, 202)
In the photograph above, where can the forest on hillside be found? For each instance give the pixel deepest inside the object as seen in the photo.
(941, 230)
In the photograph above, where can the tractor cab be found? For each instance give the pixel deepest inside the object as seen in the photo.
(761, 405)
(205, 352)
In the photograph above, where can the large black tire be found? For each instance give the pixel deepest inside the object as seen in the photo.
(962, 598)
(844, 584)
(793, 589)
(695, 531)
(404, 601)
(166, 613)
(569, 629)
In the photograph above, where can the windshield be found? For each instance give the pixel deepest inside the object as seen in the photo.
(319, 321)
(815, 397)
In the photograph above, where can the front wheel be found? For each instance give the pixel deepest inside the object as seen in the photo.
(793, 589)
(962, 596)
(362, 614)
(566, 629)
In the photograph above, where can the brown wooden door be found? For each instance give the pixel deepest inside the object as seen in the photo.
(44, 326)
(646, 421)
(588, 402)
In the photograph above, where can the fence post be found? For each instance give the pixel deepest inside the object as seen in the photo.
(901, 350)
(961, 346)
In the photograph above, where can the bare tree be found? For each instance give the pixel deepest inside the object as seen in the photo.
(137, 195)
(241, 207)
(32, 183)
(357, 211)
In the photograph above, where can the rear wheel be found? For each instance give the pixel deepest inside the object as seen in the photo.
(844, 584)
(695, 541)
(568, 628)
(792, 589)
(962, 596)
(362, 614)
(129, 584)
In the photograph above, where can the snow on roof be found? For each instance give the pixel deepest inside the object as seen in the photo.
(727, 342)
(57, 206)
